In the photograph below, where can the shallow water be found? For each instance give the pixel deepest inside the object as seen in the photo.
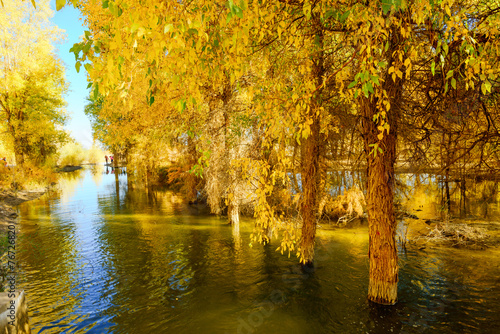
(96, 257)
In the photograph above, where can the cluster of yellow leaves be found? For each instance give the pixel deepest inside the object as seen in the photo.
(193, 55)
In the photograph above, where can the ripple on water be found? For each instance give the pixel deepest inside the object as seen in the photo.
(102, 261)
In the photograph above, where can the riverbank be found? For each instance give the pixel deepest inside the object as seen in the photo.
(9, 199)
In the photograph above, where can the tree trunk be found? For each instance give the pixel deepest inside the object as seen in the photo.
(117, 190)
(191, 179)
(310, 157)
(447, 188)
(233, 213)
(18, 152)
(382, 251)
(381, 157)
(310, 175)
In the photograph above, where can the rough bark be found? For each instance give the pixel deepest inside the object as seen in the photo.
(311, 159)
(382, 252)
(310, 175)
(383, 257)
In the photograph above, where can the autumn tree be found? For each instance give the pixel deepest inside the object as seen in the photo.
(371, 56)
(32, 81)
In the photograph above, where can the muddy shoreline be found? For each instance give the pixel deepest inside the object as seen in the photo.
(9, 199)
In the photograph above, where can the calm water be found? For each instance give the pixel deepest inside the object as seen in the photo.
(96, 257)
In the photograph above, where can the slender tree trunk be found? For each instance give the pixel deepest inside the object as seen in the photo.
(18, 152)
(191, 179)
(382, 253)
(233, 214)
(447, 190)
(310, 193)
(463, 207)
(117, 189)
(311, 156)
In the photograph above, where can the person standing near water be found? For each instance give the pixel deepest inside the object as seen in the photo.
(106, 157)
(111, 158)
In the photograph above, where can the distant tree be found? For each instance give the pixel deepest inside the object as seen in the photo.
(32, 82)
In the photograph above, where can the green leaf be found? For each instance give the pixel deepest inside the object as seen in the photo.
(453, 83)
(59, 4)
(344, 16)
(105, 4)
(433, 68)
(96, 91)
(77, 47)
(238, 12)
(386, 6)
(382, 64)
(88, 67)
(329, 13)
(449, 74)
(352, 84)
(89, 85)
(374, 149)
(370, 87)
(365, 90)
(87, 47)
(151, 100)
(77, 66)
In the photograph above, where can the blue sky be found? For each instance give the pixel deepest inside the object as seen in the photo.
(79, 125)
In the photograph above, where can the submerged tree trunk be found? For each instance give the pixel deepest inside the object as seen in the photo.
(310, 158)
(310, 175)
(117, 190)
(447, 191)
(233, 214)
(381, 157)
(382, 252)
(463, 207)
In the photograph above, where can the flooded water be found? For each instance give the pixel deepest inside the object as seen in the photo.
(97, 257)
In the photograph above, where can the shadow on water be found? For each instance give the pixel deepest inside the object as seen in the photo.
(98, 257)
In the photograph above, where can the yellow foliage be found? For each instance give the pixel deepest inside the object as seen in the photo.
(72, 154)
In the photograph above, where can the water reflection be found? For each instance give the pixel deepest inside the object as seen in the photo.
(425, 195)
(109, 259)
